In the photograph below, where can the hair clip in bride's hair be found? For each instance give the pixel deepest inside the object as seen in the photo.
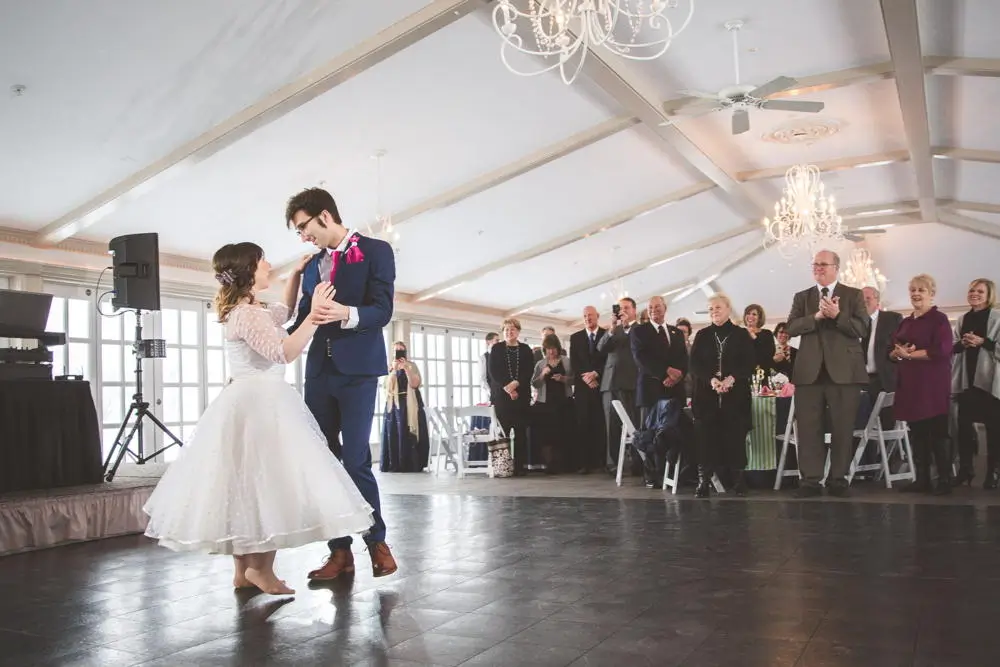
(226, 277)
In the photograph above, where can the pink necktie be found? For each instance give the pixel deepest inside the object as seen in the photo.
(334, 257)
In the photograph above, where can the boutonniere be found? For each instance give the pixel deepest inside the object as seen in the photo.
(353, 254)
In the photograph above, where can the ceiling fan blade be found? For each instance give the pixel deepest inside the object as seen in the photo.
(862, 232)
(792, 105)
(772, 87)
(741, 121)
(699, 93)
(850, 236)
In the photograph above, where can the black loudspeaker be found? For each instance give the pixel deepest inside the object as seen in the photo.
(136, 264)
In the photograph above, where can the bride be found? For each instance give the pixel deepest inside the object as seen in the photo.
(257, 475)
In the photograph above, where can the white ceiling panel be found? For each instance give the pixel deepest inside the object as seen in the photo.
(963, 28)
(426, 106)
(965, 114)
(868, 114)
(977, 182)
(646, 283)
(579, 190)
(644, 240)
(113, 86)
(779, 38)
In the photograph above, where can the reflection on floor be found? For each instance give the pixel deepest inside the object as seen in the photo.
(525, 581)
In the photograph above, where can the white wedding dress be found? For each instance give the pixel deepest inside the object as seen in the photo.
(257, 474)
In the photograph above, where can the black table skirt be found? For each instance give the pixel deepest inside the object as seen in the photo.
(49, 435)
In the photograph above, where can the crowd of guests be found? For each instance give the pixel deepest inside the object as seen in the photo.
(557, 405)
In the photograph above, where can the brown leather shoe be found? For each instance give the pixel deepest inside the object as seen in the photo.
(340, 561)
(383, 564)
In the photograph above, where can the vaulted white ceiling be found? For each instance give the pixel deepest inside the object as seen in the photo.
(198, 120)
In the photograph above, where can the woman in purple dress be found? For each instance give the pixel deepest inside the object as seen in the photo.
(922, 347)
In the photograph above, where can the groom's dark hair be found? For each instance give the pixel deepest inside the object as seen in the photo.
(312, 202)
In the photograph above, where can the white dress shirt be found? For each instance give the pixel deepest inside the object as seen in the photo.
(326, 265)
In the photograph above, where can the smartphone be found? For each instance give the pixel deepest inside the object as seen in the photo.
(401, 354)
(616, 310)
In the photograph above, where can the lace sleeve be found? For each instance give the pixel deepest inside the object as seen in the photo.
(256, 326)
(279, 313)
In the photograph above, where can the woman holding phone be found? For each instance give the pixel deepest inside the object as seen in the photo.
(405, 441)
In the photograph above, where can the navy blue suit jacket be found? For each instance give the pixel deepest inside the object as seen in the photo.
(367, 285)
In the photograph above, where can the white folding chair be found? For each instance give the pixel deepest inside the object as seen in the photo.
(466, 437)
(898, 436)
(791, 438)
(444, 441)
(628, 437)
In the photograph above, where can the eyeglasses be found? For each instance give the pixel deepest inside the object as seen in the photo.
(301, 227)
(818, 265)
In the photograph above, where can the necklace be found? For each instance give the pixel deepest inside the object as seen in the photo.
(720, 346)
(517, 362)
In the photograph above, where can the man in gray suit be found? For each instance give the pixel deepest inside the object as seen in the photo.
(829, 372)
(619, 377)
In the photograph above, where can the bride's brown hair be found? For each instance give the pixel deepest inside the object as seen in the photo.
(235, 265)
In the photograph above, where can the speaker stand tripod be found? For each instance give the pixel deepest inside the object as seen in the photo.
(139, 410)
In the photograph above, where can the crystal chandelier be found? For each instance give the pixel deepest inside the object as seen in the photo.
(566, 29)
(806, 217)
(381, 227)
(860, 271)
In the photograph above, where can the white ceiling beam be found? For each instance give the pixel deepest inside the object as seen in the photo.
(978, 207)
(827, 166)
(869, 211)
(967, 154)
(566, 239)
(967, 224)
(902, 30)
(622, 272)
(415, 27)
(952, 66)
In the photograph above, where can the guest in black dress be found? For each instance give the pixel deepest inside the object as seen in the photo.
(405, 441)
(553, 408)
(722, 361)
(763, 340)
(511, 365)
(784, 354)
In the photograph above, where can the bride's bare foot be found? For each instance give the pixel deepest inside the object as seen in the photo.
(268, 582)
(239, 577)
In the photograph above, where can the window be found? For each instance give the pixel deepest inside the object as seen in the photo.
(181, 329)
(117, 372)
(73, 316)
(428, 352)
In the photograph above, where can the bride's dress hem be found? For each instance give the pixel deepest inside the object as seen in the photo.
(240, 545)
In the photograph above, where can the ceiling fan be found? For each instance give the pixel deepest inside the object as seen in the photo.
(740, 98)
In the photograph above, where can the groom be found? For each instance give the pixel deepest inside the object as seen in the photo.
(347, 356)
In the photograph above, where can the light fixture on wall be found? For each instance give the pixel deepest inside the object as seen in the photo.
(806, 217)
(381, 227)
(564, 30)
(860, 271)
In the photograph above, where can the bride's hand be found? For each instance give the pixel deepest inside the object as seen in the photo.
(323, 305)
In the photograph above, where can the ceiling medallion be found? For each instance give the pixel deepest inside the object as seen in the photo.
(803, 130)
